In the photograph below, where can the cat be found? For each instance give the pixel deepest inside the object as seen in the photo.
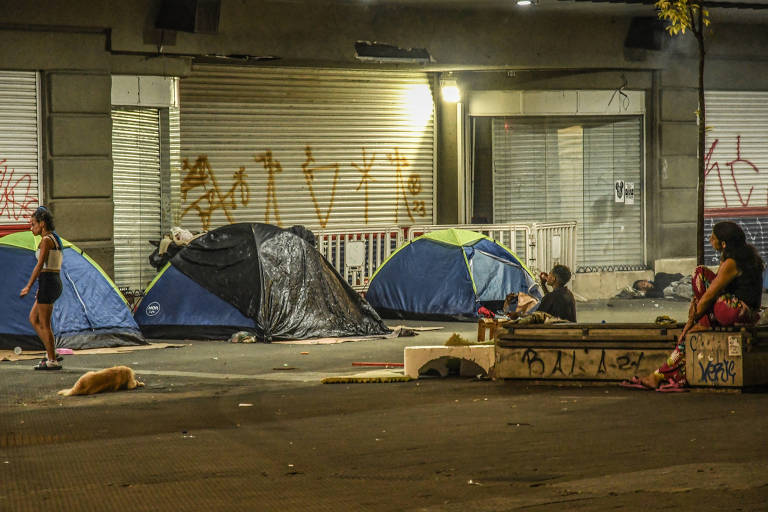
(110, 379)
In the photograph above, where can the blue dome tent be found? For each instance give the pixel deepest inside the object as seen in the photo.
(253, 277)
(448, 275)
(91, 312)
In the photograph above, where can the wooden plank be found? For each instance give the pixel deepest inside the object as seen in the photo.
(544, 331)
(569, 325)
(595, 339)
(625, 345)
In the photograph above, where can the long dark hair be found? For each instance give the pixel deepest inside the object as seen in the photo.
(745, 255)
(43, 214)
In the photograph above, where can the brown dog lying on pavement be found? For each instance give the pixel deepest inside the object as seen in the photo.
(111, 379)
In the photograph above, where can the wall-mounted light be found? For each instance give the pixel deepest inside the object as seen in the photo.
(524, 3)
(449, 90)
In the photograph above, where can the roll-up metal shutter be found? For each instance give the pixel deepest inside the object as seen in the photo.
(737, 153)
(19, 149)
(323, 148)
(136, 193)
(551, 169)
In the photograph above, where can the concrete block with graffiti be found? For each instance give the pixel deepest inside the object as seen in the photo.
(727, 359)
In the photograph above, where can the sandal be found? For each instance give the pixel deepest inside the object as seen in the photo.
(672, 387)
(47, 365)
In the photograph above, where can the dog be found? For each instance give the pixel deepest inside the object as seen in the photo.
(110, 379)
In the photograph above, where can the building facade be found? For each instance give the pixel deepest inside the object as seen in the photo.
(128, 118)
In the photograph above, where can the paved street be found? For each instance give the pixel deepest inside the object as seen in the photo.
(220, 427)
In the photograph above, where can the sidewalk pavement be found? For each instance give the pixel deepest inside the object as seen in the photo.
(223, 426)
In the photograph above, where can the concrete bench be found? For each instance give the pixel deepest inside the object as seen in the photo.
(474, 359)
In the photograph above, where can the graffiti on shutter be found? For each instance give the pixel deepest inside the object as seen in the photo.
(18, 193)
(202, 194)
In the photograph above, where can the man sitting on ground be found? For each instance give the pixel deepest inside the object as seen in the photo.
(557, 305)
(559, 302)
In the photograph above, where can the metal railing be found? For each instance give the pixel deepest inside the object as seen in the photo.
(356, 252)
(555, 244)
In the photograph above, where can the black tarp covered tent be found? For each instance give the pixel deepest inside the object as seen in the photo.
(254, 277)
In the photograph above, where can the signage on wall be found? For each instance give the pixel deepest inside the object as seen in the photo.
(629, 193)
(624, 192)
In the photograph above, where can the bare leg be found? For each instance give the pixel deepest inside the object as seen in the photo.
(34, 320)
(45, 311)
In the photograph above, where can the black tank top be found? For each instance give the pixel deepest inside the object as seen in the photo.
(747, 287)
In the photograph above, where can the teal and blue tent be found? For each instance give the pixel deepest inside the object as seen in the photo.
(91, 312)
(448, 275)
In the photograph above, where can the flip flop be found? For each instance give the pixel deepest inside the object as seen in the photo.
(672, 387)
(635, 383)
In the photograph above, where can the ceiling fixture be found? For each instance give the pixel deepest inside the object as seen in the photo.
(449, 89)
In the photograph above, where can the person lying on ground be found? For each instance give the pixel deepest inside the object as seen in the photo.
(656, 289)
(730, 297)
(559, 302)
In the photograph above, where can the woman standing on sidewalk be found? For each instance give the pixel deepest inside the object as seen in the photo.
(732, 296)
(46, 272)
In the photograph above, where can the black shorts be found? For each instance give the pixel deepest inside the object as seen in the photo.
(49, 287)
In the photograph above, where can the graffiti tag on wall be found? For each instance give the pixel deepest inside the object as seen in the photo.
(744, 196)
(733, 180)
(18, 198)
(200, 178)
(309, 176)
(712, 360)
(551, 363)
(211, 198)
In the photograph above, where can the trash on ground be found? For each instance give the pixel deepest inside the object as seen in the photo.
(385, 365)
(370, 377)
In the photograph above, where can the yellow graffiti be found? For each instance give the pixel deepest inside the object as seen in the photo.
(365, 170)
(271, 166)
(410, 185)
(200, 175)
(211, 199)
(309, 176)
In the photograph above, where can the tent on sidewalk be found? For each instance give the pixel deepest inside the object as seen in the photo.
(253, 277)
(448, 275)
(91, 312)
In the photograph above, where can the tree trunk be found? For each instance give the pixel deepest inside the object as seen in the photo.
(702, 144)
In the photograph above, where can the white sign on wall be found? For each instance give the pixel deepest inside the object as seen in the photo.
(629, 193)
(618, 190)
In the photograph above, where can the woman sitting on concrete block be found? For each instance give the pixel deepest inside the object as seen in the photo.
(730, 297)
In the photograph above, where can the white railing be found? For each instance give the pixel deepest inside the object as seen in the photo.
(356, 252)
(555, 244)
